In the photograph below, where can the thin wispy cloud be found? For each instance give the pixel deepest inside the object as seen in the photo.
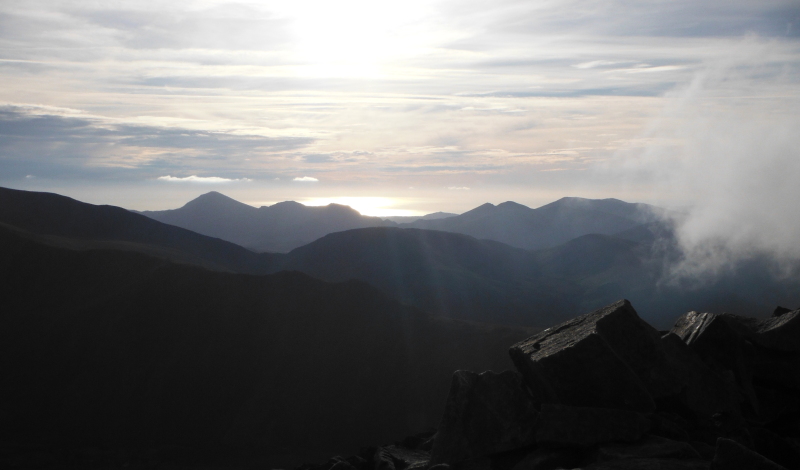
(200, 179)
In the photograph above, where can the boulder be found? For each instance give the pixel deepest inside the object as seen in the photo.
(731, 455)
(608, 358)
(484, 414)
(704, 390)
(722, 341)
(573, 426)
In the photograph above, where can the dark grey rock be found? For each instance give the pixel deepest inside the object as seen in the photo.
(779, 333)
(775, 448)
(780, 311)
(572, 426)
(721, 341)
(549, 459)
(485, 414)
(651, 447)
(731, 455)
(704, 390)
(650, 464)
(399, 458)
(608, 358)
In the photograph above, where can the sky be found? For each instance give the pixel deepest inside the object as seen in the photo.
(404, 108)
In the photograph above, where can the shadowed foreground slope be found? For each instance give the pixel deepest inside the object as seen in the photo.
(112, 349)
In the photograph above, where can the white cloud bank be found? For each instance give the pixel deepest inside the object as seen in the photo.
(201, 179)
(306, 179)
(728, 146)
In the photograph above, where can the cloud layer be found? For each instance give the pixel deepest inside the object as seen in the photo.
(516, 100)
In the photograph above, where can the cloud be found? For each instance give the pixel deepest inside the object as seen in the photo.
(306, 179)
(458, 188)
(727, 145)
(52, 142)
(201, 179)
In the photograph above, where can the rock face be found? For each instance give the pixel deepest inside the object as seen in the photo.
(485, 414)
(607, 391)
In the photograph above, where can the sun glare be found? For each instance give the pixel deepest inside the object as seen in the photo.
(372, 206)
(354, 38)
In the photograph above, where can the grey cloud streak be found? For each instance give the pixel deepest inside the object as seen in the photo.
(32, 141)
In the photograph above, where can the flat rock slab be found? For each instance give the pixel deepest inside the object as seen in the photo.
(651, 447)
(572, 426)
(733, 456)
(650, 464)
(609, 358)
(484, 414)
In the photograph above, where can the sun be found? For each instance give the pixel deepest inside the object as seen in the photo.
(371, 206)
(354, 38)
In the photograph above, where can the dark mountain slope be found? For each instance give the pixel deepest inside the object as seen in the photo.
(461, 277)
(444, 273)
(110, 349)
(60, 218)
(277, 228)
(547, 226)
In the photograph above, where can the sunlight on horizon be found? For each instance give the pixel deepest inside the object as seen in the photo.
(370, 206)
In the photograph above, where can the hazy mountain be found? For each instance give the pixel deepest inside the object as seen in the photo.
(277, 228)
(113, 349)
(63, 220)
(408, 219)
(445, 274)
(547, 226)
(462, 277)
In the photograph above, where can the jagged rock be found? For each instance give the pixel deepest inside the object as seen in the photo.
(649, 464)
(780, 311)
(779, 333)
(549, 459)
(775, 448)
(720, 341)
(485, 414)
(572, 426)
(399, 458)
(731, 455)
(607, 358)
(705, 391)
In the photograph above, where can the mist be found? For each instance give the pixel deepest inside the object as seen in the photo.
(726, 150)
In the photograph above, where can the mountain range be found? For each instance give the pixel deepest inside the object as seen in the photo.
(546, 226)
(288, 225)
(277, 228)
(121, 332)
(445, 274)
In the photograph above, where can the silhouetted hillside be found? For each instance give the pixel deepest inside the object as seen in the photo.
(547, 226)
(60, 217)
(277, 228)
(110, 349)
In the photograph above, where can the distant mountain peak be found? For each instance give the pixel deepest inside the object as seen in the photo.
(512, 205)
(216, 200)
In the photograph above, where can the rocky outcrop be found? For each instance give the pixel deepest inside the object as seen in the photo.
(607, 391)
(485, 414)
